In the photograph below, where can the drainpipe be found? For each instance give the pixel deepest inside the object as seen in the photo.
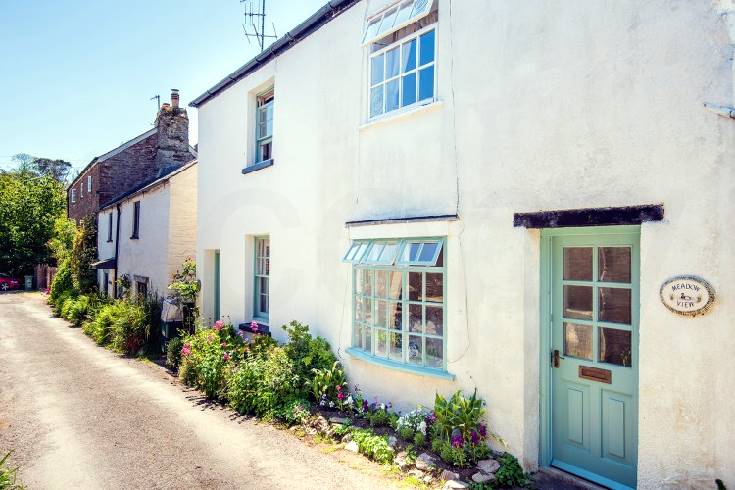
(117, 249)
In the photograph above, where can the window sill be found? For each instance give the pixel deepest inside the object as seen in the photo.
(258, 166)
(135, 237)
(386, 363)
(401, 114)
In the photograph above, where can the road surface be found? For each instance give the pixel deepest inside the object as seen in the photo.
(79, 416)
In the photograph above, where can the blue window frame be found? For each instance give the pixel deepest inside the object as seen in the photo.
(399, 301)
(403, 74)
(261, 306)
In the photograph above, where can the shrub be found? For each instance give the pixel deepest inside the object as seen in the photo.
(173, 352)
(412, 423)
(373, 446)
(79, 310)
(207, 355)
(66, 307)
(62, 282)
(379, 415)
(100, 329)
(129, 328)
(306, 352)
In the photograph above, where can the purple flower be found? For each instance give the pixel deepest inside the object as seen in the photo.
(483, 430)
(457, 441)
(430, 418)
(475, 437)
(364, 405)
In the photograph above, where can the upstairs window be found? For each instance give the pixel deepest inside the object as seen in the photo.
(73, 195)
(136, 220)
(402, 57)
(109, 227)
(264, 126)
(89, 183)
(81, 190)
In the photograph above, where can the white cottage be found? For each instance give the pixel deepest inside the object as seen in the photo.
(146, 234)
(491, 195)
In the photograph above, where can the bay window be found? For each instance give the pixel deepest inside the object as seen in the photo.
(399, 300)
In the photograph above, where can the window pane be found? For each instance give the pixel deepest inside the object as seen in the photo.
(434, 320)
(578, 302)
(364, 309)
(426, 83)
(396, 346)
(381, 314)
(376, 101)
(381, 283)
(414, 286)
(614, 264)
(392, 62)
(426, 48)
(374, 252)
(409, 89)
(409, 56)
(404, 13)
(615, 305)
(434, 352)
(578, 340)
(368, 344)
(372, 29)
(419, 7)
(414, 318)
(392, 95)
(428, 251)
(578, 263)
(395, 316)
(414, 349)
(365, 282)
(410, 252)
(395, 285)
(357, 339)
(381, 343)
(435, 287)
(376, 70)
(389, 19)
(615, 346)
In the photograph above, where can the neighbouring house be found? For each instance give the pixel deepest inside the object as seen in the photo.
(494, 195)
(146, 233)
(133, 162)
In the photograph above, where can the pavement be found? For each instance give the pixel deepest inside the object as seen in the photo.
(79, 416)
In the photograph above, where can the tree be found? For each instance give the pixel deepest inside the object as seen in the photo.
(84, 253)
(57, 169)
(29, 205)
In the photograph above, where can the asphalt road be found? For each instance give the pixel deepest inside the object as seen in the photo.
(79, 416)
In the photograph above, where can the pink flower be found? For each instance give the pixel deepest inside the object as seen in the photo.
(210, 337)
(223, 344)
(340, 395)
(254, 326)
(226, 356)
(218, 325)
(186, 350)
(339, 387)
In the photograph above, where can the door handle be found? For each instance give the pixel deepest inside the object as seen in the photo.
(555, 358)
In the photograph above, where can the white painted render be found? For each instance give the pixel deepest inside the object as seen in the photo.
(167, 232)
(541, 106)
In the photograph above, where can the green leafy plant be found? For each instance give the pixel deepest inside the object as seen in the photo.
(185, 285)
(510, 473)
(326, 385)
(459, 412)
(8, 476)
(379, 415)
(295, 412)
(207, 356)
(173, 352)
(129, 328)
(62, 284)
(373, 446)
(306, 352)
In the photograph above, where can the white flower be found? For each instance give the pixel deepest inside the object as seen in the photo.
(422, 427)
(331, 404)
(349, 400)
(382, 406)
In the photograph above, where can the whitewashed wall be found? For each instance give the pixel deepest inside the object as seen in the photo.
(542, 105)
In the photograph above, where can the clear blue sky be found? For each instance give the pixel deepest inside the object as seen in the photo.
(76, 76)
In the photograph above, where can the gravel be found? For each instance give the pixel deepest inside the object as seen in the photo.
(79, 416)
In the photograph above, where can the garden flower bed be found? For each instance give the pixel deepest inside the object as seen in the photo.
(302, 385)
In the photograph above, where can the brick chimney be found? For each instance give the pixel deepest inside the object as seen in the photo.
(173, 134)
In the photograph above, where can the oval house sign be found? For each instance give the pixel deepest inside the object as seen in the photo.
(687, 295)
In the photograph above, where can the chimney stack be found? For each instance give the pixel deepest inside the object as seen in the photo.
(175, 98)
(172, 122)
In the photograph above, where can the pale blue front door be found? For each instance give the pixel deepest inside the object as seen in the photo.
(594, 298)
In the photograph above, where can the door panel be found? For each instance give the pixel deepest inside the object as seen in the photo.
(594, 384)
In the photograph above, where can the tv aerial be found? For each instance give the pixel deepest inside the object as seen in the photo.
(254, 25)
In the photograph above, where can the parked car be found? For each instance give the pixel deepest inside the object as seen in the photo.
(7, 282)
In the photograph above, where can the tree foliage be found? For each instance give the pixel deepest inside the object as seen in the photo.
(29, 206)
(84, 253)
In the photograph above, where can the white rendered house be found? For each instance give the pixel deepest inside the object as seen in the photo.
(148, 232)
(493, 195)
